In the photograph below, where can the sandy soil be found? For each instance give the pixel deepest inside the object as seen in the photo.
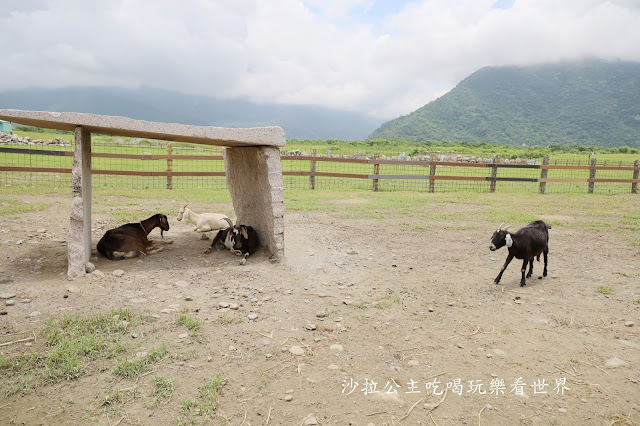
(416, 312)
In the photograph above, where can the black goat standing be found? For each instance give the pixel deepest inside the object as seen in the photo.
(241, 240)
(130, 240)
(526, 243)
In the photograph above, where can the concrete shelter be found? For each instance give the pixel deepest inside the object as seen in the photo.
(251, 158)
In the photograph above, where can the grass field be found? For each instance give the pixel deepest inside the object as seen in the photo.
(394, 147)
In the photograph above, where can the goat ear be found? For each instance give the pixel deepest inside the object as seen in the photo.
(243, 230)
(509, 240)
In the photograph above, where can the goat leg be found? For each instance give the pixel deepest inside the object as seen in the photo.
(244, 259)
(157, 242)
(153, 249)
(546, 252)
(530, 268)
(127, 254)
(506, 263)
(524, 268)
(216, 243)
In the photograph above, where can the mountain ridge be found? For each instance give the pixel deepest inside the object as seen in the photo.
(570, 103)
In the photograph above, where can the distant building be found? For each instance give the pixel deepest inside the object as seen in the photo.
(6, 127)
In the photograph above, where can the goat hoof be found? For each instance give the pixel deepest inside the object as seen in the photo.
(540, 277)
(523, 284)
(207, 251)
(529, 275)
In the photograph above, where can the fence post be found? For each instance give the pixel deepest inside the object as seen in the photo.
(312, 176)
(592, 174)
(376, 171)
(544, 173)
(432, 174)
(634, 185)
(169, 166)
(494, 173)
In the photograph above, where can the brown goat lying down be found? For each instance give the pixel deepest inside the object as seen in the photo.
(130, 240)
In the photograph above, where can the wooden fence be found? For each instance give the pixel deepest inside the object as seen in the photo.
(495, 166)
(438, 171)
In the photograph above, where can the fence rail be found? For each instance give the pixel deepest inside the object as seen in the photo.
(384, 174)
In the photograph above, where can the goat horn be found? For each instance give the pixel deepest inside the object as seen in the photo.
(500, 227)
(507, 228)
(228, 221)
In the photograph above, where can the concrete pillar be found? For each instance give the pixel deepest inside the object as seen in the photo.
(254, 177)
(79, 245)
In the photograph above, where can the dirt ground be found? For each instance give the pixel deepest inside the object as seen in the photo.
(414, 311)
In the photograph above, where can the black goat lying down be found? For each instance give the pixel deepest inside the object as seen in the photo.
(526, 243)
(130, 240)
(239, 239)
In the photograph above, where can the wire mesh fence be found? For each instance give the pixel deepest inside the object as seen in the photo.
(143, 164)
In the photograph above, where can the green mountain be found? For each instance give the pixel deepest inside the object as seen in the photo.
(298, 121)
(572, 103)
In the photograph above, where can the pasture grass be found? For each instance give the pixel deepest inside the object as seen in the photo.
(188, 405)
(186, 355)
(387, 303)
(133, 368)
(133, 216)
(263, 380)
(191, 323)
(112, 398)
(162, 388)
(12, 207)
(605, 289)
(18, 190)
(224, 319)
(203, 408)
(72, 345)
(209, 395)
(383, 146)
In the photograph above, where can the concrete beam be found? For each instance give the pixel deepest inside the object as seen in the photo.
(254, 177)
(79, 244)
(124, 126)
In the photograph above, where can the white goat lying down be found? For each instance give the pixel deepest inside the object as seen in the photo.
(204, 222)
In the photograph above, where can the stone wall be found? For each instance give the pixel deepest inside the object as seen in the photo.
(13, 139)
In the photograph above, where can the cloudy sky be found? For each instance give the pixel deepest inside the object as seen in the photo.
(383, 58)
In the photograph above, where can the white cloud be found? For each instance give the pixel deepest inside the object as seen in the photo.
(329, 53)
